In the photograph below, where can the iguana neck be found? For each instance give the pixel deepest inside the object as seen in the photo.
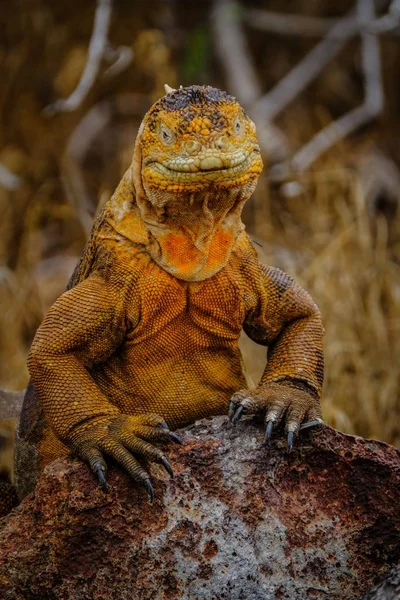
(190, 236)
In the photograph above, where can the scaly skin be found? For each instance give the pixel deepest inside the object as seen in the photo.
(146, 338)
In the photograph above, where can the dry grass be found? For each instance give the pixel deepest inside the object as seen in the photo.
(346, 255)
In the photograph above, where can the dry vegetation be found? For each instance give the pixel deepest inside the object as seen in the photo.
(335, 228)
(345, 252)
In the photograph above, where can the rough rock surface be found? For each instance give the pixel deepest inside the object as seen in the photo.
(239, 521)
(388, 589)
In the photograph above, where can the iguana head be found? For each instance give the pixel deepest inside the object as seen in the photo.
(198, 137)
(196, 162)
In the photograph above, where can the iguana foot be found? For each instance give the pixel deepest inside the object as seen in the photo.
(126, 439)
(279, 402)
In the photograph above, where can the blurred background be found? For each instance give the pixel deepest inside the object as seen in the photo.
(321, 79)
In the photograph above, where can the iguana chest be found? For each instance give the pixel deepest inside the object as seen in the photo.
(205, 313)
(180, 357)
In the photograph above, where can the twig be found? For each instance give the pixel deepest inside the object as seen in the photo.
(300, 25)
(71, 171)
(241, 75)
(97, 48)
(272, 103)
(82, 139)
(232, 48)
(287, 24)
(9, 181)
(371, 107)
(389, 21)
(379, 179)
(121, 58)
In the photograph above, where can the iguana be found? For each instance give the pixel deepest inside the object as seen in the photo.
(145, 339)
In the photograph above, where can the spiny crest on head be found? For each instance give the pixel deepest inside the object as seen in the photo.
(193, 95)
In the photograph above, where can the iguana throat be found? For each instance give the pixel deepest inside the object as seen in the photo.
(191, 236)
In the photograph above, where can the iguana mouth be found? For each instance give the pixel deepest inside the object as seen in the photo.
(212, 168)
(208, 162)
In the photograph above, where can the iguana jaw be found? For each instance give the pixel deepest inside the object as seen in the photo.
(205, 170)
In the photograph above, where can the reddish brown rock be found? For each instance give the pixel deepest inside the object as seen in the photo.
(240, 521)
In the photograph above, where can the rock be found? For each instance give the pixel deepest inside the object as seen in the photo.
(10, 404)
(239, 521)
(388, 589)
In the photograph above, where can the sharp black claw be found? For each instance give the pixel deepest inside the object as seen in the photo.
(101, 476)
(167, 466)
(268, 431)
(311, 424)
(149, 489)
(231, 410)
(174, 438)
(238, 414)
(290, 437)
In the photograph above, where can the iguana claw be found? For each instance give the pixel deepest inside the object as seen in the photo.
(167, 466)
(268, 431)
(311, 424)
(231, 410)
(174, 438)
(236, 417)
(101, 476)
(278, 402)
(290, 437)
(149, 489)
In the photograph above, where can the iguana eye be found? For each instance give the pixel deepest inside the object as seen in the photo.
(238, 126)
(166, 135)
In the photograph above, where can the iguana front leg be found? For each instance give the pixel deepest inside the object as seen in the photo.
(287, 320)
(84, 328)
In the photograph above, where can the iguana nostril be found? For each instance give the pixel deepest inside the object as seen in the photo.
(192, 146)
(222, 143)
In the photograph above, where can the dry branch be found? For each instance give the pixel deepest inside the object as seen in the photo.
(300, 25)
(389, 21)
(287, 24)
(77, 147)
(231, 46)
(98, 49)
(371, 107)
(120, 58)
(272, 103)
(9, 181)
